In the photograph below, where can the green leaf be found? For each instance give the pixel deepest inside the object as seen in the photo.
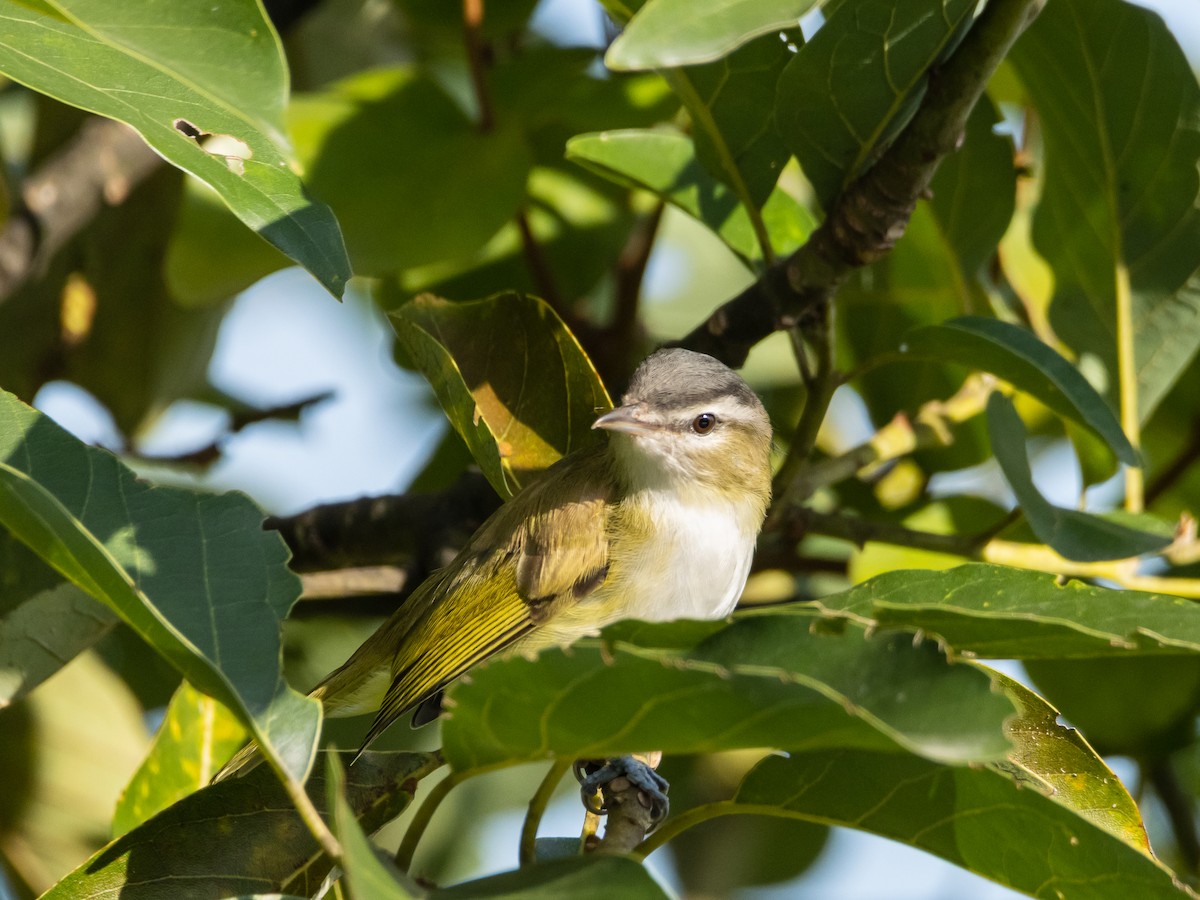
(194, 574)
(44, 621)
(1021, 359)
(664, 162)
(368, 876)
(1120, 110)
(242, 835)
(196, 736)
(734, 118)
(172, 82)
(595, 877)
(1028, 823)
(1073, 534)
(766, 680)
(456, 186)
(1004, 613)
(519, 410)
(668, 33)
(852, 88)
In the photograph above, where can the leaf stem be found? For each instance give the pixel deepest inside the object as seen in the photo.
(423, 815)
(1127, 386)
(476, 57)
(676, 825)
(304, 805)
(822, 381)
(702, 119)
(537, 807)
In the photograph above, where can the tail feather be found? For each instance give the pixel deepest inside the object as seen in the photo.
(242, 762)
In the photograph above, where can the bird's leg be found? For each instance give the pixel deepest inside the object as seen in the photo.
(599, 779)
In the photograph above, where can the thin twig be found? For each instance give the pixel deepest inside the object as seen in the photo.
(537, 808)
(1180, 807)
(477, 60)
(630, 272)
(539, 267)
(422, 817)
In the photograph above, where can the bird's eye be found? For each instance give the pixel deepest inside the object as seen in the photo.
(704, 423)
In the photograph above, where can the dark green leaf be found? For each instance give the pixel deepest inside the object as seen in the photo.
(241, 836)
(1073, 534)
(1005, 613)
(595, 877)
(196, 736)
(519, 410)
(856, 83)
(455, 188)
(227, 131)
(1005, 823)
(369, 877)
(664, 162)
(734, 118)
(44, 621)
(766, 680)
(1021, 359)
(668, 33)
(1118, 222)
(1139, 706)
(194, 574)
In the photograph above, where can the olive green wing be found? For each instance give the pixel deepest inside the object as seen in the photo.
(547, 546)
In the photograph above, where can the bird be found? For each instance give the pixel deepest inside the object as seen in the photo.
(657, 522)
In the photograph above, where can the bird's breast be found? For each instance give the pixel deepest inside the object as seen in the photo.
(678, 560)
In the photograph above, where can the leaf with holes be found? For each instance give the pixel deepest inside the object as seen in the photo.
(205, 85)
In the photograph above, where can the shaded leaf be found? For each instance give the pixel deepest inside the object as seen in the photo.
(595, 877)
(666, 33)
(57, 802)
(664, 162)
(1140, 706)
(196, 736)
(1020, 358)
(1118, 221)
(369, 877)
(194, 574)
(242, 836)
(852, 88)
(457, 185)
(519, 409)
(1004, 613)
(44, 621)
(1004, 822)
(1073, 534)
(734, 118)
(766, 680)
(227, 131)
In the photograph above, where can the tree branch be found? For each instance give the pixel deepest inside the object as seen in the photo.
(873, 212)
(416, 532)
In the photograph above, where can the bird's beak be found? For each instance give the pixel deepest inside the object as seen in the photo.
(627, 419)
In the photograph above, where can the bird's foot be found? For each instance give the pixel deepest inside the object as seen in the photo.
(619, 774)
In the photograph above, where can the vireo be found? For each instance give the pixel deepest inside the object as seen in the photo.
(658, 522)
